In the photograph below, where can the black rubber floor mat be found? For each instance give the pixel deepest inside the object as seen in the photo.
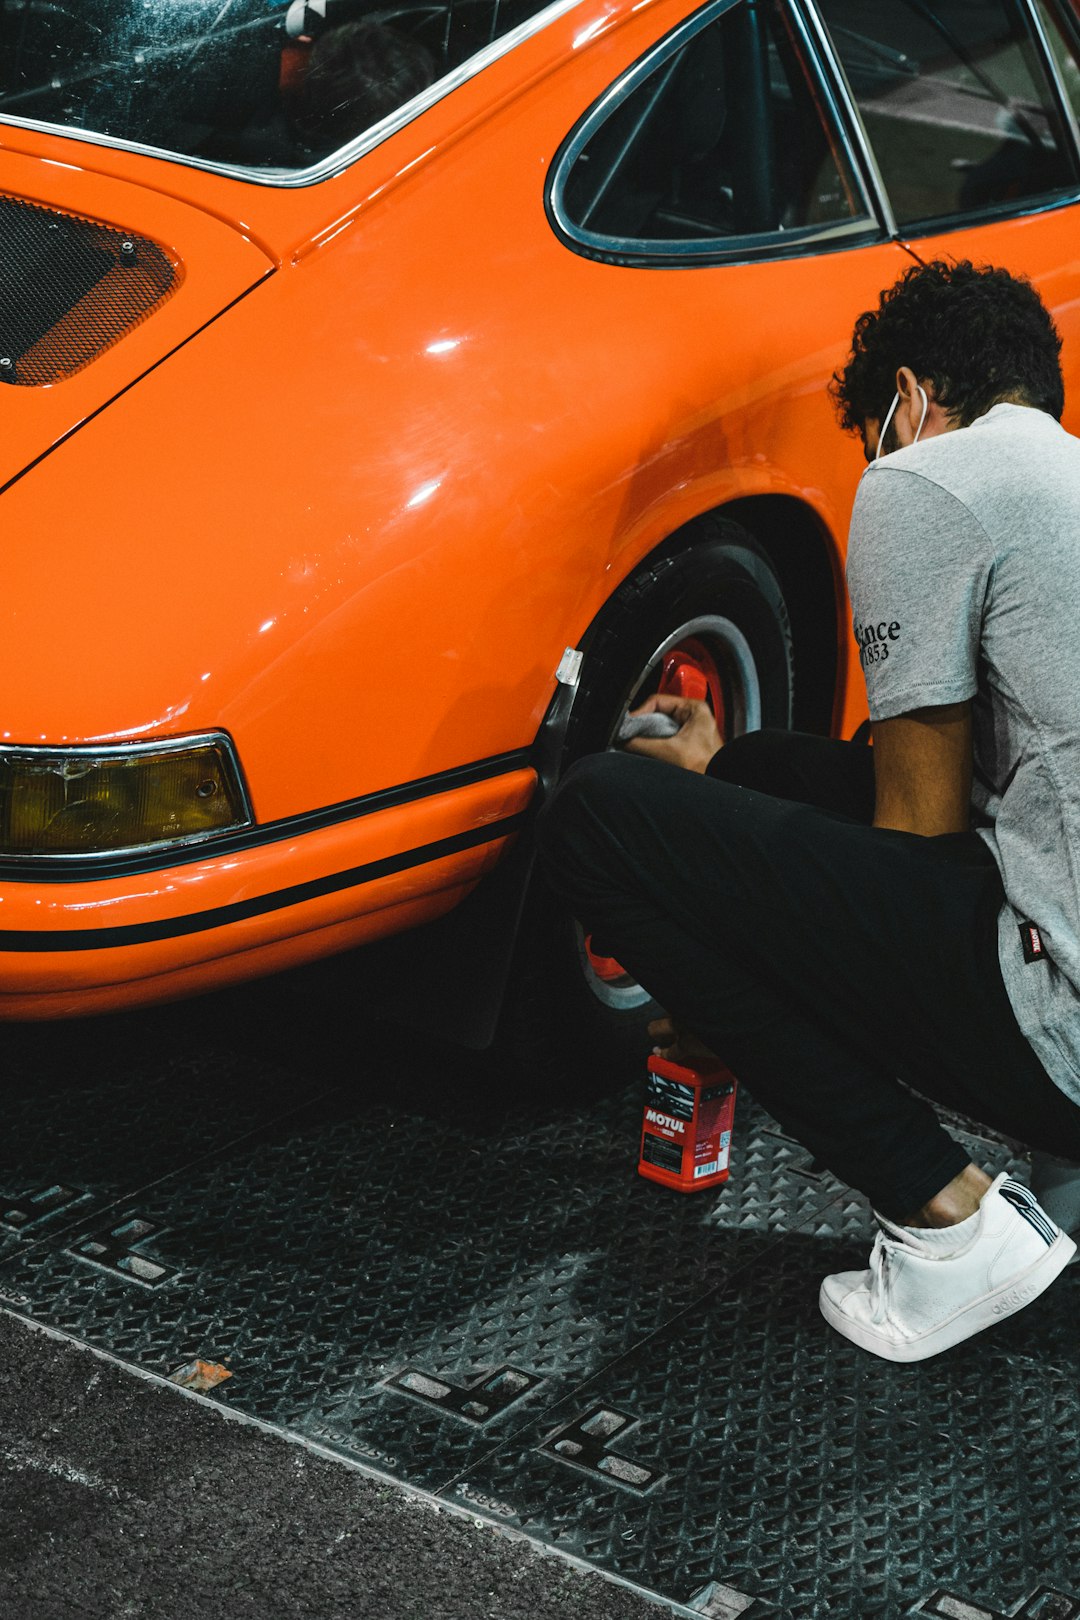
(492, 1305)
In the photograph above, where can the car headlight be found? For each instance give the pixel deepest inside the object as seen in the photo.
(134, 796)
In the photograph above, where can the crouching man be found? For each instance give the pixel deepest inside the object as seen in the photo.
(855, 930)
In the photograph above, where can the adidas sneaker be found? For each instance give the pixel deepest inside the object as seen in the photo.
(927, 1289)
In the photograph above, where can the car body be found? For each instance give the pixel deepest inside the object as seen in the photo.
(401, 425)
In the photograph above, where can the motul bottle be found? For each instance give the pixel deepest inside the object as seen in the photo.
(686, 1131)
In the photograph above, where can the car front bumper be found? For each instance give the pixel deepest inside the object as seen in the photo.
(93, 942)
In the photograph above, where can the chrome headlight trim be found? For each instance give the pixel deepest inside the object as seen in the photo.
(43, 754)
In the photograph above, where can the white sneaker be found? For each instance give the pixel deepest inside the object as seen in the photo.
(928, 1289)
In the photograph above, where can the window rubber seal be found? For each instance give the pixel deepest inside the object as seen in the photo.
(651, 254)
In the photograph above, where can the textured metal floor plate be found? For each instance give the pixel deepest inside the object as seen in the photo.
(330, 1256)
(482, 1298)
(802, 1475)
(90, 1115)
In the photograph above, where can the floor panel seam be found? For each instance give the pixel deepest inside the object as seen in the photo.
(432, 1499)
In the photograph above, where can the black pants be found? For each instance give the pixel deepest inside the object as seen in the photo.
(823, 959)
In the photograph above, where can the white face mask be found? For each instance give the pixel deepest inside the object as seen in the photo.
(892, 413)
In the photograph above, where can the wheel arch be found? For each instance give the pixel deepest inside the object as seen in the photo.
(807, 564)
(470, 950)
(810, 572)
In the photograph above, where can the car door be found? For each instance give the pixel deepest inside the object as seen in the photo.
(732, 229)
(968, 110)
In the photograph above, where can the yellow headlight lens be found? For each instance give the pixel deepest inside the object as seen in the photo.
(87, 802)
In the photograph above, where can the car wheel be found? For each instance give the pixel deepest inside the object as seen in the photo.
(708, 621)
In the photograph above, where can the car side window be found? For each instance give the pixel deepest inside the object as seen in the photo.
(1064, 46)
(719, 135)
(956, 101)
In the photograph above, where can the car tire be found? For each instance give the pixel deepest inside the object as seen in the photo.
(561, 1023)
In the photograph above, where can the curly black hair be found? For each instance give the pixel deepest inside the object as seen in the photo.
(979, 334)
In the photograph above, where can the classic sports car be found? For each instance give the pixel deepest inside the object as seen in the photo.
(396, 392)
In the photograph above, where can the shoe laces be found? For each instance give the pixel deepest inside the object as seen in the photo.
(880, 1256)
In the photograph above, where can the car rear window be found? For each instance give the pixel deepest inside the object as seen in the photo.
(262, 84)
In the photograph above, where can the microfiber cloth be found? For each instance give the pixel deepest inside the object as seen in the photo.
(647, 725)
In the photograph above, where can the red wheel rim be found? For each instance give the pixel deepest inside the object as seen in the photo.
(689, 670)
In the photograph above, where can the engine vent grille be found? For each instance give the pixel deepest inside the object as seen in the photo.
(69, 289)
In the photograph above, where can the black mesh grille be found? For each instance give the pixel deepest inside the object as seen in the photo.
(69, 288)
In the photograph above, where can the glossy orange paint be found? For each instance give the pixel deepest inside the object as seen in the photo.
(355, 520)
(376, 445)
(216, 264)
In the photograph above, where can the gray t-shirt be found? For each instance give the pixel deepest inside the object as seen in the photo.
(964, 576)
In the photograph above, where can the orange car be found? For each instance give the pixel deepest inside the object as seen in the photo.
(394, 394)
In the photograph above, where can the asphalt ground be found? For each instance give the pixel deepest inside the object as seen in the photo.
(122, 1498)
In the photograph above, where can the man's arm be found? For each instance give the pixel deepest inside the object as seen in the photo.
(922, 761)
(922, 771)
(920, 573)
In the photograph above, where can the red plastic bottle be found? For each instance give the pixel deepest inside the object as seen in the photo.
(686, 1131)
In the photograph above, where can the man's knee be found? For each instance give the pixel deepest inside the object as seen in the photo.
(758, 760)
(819, 771)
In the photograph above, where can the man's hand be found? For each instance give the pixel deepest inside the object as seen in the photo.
(922, 771)
(697, 740)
